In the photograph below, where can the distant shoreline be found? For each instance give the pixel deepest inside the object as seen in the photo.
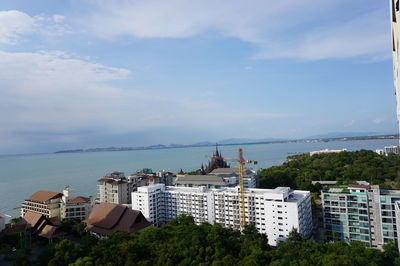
(177, 146)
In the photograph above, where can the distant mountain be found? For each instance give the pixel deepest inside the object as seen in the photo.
(244, 140)
(204, 143)
(233, 141)
(345, 134)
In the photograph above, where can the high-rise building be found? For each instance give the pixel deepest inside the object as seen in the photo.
(360, 213)
(395, 17)
(274, 212)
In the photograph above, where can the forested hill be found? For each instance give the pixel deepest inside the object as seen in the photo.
(345, 167)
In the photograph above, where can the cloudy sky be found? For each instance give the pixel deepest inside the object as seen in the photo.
(97, 73)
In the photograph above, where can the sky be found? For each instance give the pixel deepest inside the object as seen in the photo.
(99, 73)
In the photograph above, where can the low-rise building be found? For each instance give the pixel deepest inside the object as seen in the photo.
(273, 212)
(75, 208)
(326, 151)
(360, 213)
(106, 219)
(388, 150)
(58, 205)
(36, 224)
(43, 202)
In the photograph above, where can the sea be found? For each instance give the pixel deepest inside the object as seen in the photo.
(22, 175)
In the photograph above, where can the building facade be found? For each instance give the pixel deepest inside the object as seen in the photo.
(58, 205)
(360, 213)
(75, 208)
(116, 188)
(43, 202)
(273, 212)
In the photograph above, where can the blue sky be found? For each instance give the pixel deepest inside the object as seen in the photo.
(95, 73)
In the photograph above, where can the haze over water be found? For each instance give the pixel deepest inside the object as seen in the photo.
(22, 175)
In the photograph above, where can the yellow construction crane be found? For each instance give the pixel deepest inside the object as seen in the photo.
(242, 162)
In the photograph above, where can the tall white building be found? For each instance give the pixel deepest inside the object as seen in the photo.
(395, 17)
(274, 212)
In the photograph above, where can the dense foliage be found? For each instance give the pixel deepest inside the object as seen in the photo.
(181, 242)
(345, 167)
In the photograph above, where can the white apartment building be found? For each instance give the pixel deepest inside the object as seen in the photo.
(274, 212)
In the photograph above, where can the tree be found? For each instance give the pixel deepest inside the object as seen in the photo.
(294, 235)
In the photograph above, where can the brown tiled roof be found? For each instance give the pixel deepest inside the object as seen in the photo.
(44, 195)
(39, 224)
(78, 199)
(108, 218)
(50, 231)
(32, 218)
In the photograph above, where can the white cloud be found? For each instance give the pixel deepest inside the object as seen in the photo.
(14, 23)
(378, 120)
(58, 18)
(280, 29)
(52, 95)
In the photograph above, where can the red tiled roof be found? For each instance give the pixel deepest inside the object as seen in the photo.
(44, 195)
(79, 199)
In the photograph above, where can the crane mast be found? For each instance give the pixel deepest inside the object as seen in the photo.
(242, 162)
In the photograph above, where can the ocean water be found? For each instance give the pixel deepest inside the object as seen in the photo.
(22, 175)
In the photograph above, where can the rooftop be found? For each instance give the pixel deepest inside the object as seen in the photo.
(44, 195)
(201, 180)
(78, 200)
(109, 218)
(230, 171)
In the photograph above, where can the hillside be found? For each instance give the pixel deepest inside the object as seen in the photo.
(344, 167)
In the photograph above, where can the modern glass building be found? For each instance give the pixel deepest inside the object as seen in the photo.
(360, 213)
